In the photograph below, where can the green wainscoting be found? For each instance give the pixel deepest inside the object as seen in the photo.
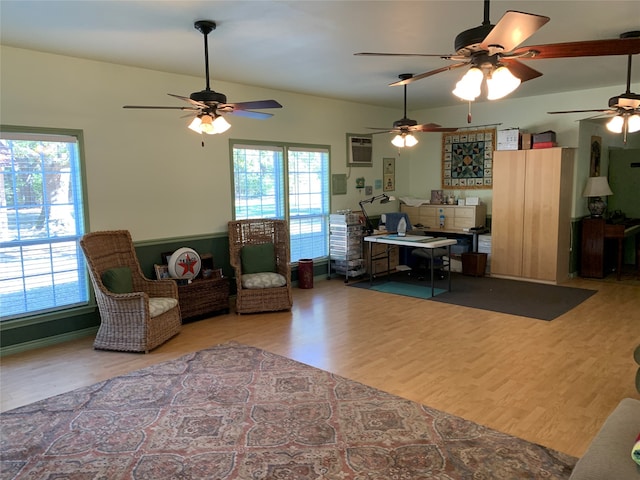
(44, 330)
(48, 329)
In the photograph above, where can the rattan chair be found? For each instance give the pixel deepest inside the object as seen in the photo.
(258, 232)
(127, 323)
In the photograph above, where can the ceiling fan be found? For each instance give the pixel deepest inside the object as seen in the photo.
(208, 105)
(624, 109)
(405, 126)
(492, 52)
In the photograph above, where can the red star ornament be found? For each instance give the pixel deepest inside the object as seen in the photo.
(187, 264)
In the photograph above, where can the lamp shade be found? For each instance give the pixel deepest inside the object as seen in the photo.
(501, 83)
(468, 88)
(597, 187)
(615, 124)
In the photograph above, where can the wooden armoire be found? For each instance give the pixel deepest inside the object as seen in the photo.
(531, 214)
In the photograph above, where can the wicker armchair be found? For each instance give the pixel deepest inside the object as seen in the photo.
(137, 321)
(260, 232)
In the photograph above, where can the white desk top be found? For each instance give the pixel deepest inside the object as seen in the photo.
(417, 241)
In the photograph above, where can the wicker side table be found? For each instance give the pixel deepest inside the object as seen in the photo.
(203, 296)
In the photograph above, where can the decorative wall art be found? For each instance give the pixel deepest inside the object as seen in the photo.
(596, 154)
(389, 174)
(467, 159)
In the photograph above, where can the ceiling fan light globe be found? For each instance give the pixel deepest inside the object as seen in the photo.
(633, 123)
(468, 88)
(615, 124)
(410, 140)
(207, 125)
(501, 83)
(195, 125)
(220, 125)
(398, 141)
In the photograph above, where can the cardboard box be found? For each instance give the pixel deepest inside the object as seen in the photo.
(525, 141)
(508, 139)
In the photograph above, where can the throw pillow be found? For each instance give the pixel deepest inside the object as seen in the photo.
(635, 451)
(263, 280)
(118, 280)
(258, 258)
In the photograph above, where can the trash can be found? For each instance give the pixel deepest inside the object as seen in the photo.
(305, 273)
(474, 264)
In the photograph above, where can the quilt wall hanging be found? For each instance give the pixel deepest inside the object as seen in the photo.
(467, 159)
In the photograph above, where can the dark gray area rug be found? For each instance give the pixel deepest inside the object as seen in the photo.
(526, 299)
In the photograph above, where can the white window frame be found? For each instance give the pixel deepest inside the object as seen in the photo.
(43, 269)
(297, 192)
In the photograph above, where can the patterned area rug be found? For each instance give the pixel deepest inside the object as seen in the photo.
(237, 412)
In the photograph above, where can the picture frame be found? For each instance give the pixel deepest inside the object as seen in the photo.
(162, 271)
(164, 257)
(437, 197)
(467, 159)
(596, 154)
(388, 174)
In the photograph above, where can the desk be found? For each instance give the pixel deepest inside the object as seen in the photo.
(595, 231)
(415, 241)
(472, 232)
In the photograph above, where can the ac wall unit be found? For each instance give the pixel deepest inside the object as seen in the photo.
(360, 151)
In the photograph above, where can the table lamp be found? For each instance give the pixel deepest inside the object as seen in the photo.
(596, 188)
(384, 198)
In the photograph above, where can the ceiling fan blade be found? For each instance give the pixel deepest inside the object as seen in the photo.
(429, 128)
(513, 29)
(520, 70)
(428, 74)
(588, 48)
(603, 110)
(257, 104)
(385, 131)
(380, 54)
(188, 100)
(251, 114)
(382, 130)
(153, 107)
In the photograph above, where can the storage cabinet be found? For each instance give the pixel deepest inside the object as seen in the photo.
(203, 295)
(383, 266)
(345, 245)
(531, 214)
(456, 217)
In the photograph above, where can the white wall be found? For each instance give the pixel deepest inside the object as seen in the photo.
(146, 172)
(529, 115)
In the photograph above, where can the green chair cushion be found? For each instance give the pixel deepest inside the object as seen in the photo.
(258, 258)
(118, 280)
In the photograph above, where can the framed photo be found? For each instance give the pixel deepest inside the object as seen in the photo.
(596, 153)
(162, 271)
(467, 159)
(388, 174)
(437, 197)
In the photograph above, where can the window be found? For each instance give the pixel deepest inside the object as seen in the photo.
(41, 222)
(287, 182)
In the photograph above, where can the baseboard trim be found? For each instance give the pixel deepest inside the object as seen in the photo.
(48, 341)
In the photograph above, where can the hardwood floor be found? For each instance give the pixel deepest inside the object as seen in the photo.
(552, 383)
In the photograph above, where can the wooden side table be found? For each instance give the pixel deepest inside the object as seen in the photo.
(203, 295)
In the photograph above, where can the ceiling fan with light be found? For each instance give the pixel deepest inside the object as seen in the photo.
(493, 54)
(405, 127)
(208, 105)
(624, 109)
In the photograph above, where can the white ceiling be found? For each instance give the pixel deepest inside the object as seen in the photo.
(308, 46)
